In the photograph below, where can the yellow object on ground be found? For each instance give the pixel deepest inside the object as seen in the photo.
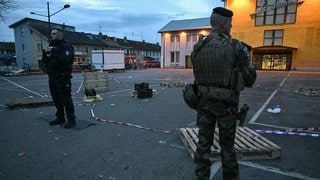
(89, 99)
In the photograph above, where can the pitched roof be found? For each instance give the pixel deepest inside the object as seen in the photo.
(70, 34)
(109, 42)
(186, 24)
(130, 44)
(81, 38)
(42, 24)
(74, 37)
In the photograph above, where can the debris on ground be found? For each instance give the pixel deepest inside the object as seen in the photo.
(275, 109)
(306, 91)
(174, 84)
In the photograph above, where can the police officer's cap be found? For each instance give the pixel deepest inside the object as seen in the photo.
(223, 12)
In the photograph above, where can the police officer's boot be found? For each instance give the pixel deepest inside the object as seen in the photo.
(70, 124)
(57, 122)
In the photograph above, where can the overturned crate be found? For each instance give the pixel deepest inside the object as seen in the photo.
(249, 145)
(99, 81)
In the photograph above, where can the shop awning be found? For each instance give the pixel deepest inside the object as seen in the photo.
(274, 49)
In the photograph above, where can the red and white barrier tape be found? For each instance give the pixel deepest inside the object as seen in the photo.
(309, 129)
(292, 131)
(124, 123)
(288, 133)
(74, 93)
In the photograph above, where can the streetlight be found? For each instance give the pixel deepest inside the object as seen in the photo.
(49, 15)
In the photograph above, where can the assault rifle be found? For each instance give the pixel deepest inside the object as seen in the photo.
(242, 114)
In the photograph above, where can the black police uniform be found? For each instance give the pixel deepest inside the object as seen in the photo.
(59, 68)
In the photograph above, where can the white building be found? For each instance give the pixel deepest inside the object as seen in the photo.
(178, 38)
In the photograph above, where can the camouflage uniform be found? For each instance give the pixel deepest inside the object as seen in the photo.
(219, 64)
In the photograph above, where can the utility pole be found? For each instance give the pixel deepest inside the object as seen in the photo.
(49, 15)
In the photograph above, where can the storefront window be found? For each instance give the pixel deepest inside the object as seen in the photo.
(273, 61)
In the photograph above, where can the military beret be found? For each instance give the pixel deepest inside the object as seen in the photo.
(223, 12)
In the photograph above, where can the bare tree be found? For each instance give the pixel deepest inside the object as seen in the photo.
(5, 6)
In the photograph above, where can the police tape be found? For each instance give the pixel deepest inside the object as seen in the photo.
(308, 129)
(78, 90)
(291, 131)
(277, 132)
(123, 123)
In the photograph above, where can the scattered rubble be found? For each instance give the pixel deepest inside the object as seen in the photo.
(174, 84)
(306, 91)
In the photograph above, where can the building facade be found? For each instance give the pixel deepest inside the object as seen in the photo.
(177, 40)
(31, 36)
(284, 34)
(139, 54)
(7, 48)
(7, 56)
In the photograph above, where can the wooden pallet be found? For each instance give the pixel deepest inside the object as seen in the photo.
(99, 81)
(29, 102)
(95, 75)
(249, 145)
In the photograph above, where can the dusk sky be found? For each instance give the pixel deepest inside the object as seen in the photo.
(135, 19)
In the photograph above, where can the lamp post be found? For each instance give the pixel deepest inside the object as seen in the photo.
(49, 15)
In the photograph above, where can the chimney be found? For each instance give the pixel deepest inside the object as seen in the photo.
(100, 35)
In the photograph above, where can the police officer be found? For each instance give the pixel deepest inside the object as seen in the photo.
(58, 59)
(221, 68)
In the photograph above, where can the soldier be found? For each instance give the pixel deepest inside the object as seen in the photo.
(58, 58)
(221, 68)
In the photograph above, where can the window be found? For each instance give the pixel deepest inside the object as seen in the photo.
(276, 12)
(188, 43)
(172, 39)
(177, 57)
(191, 40)
(174, 57)
(21, 31)
(175, 42)
(23, 47)
(39, 47)
(273, 37)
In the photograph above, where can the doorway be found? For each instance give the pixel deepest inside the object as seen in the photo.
(272, 60)
(188, 62)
